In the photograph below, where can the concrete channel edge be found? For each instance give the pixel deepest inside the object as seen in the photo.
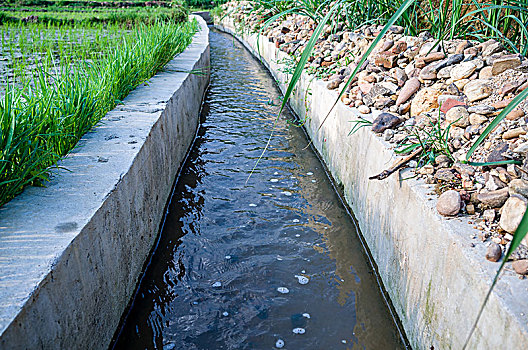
(71, 254)
(433, 272)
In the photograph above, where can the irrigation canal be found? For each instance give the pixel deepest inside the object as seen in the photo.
(274, 263)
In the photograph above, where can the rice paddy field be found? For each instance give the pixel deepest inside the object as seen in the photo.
(64, 65)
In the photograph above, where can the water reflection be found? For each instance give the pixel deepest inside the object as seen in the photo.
(276, 262)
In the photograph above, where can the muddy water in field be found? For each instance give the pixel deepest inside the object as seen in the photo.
(276, 263)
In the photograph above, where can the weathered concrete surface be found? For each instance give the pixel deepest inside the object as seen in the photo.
(71, 254)
(435, 279)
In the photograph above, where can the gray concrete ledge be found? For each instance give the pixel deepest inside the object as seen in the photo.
(71, 254)
(435, 279)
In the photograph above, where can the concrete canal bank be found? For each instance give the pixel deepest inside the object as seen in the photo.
(71, 254)
(436, 279)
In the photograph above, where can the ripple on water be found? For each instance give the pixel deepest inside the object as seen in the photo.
(221, 277)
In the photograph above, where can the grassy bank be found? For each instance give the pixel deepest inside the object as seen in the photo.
(79, 74)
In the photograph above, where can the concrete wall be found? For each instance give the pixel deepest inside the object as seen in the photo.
(435, 278)
(71, 254)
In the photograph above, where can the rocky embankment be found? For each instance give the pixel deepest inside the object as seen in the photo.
(441, 95)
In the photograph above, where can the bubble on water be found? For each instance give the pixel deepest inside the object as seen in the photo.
(299, 331)
(303, 271)
(170, 346)
(274, 180)
(297, 235)
(296, 220)
(283, 290)
(286, 193)
(314, 181)
(309, 173)
(279, 258)
(292, 177)
(252, 205)
(276, 173)
(302, 279)
(343, 341)
(195, 303)
(279, 344)
(307, 315)
(217, 284)
(228, 257)
(225, 313)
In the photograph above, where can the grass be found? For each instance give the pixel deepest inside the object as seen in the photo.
(43, 116)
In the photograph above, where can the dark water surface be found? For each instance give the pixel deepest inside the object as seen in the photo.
(227, 248)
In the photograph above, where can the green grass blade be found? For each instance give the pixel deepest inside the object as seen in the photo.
(385, 29)
(514, 103)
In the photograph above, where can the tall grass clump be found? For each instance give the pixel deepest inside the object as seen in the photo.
(42, 119)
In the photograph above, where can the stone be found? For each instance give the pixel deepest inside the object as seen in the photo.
(386, 60)
(508, 88)
(363, 109)
(512, 213)
(400, 76)
(452, 89)
(501, 104)
(445, 175)
(374, 93)
(515, 114)
(425, 100)
(485, 73)
(482, 109)
(513, 133)
(428, 72)
(519, 187)
(489, 215)
(493, 199)
(399, 47)
(476, 90)
(520, 266)
(492, 48)
(494, 252)
(462, 46)
(458, 116)
(504, 63)
(464, 169)
(410, 87)
(385, 121)
(450, 103)
(496, 154)
(449, 203)
(477, 119)
(444, 73)
(463, 70)
(521, 149)
(434, 56)
(494, 183)
(470, 208)
(334, 84)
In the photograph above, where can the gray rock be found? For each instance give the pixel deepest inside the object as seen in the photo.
(519, 187)
(385, 121)
(494, 199)
(449, 203)
(482, 109)
(492, 48)
(445, 175)
(512, 213)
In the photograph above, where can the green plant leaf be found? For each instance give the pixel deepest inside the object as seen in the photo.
(514, 103)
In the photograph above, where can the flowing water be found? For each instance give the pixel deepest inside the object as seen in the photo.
(274, 263)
